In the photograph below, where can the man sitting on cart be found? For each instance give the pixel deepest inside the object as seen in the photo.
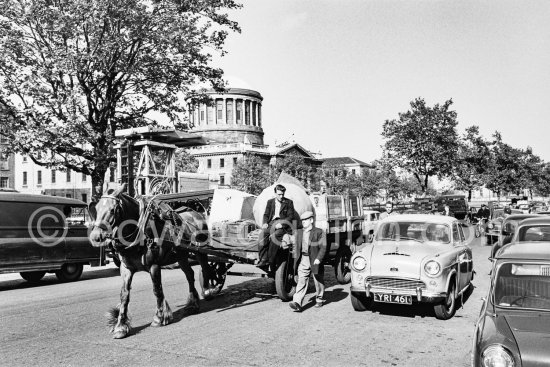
(277, 221)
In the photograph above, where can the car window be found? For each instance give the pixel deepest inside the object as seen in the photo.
(534, 233)
(456, 235)
(418, 231)
(520, 285)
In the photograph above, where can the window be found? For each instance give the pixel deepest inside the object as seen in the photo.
(247, 113)
(68, 196)
(239, 112)
(111, 174)
(229, 112)
(219, 109)
(68, 175)
(24, 159)
(222, 163)
(84, 177)
(234, 161)
(4, 182)
(209, 163)
(39, 178)
(85, 198)
(24, 178)
(222, 179)
(353, 171)
(202, 115)
(53, 176)
(210, 114)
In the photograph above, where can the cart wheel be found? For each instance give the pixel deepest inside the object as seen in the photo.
(341, 267)
(284, 280)
(32, 276)
(215, 285)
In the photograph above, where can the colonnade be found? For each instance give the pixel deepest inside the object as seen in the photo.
(228, 111)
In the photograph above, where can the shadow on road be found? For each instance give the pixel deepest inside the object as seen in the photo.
(51, 279)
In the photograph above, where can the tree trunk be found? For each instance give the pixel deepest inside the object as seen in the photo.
(469, 195)
(98, 180)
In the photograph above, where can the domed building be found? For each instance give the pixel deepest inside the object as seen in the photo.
(234, 117)
(232, 125)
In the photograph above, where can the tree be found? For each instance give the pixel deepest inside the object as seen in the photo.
(73, 72)
(296, 166)
(185, 162)
(474, 155)
(251, 175)
(532, 174)
(504, 167)
(423, 141)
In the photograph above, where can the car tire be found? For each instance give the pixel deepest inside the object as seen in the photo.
(447, 309)
(341, 266)
(69, 272)
(32, 276)
(360, 301)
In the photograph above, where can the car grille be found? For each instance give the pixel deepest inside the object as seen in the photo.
(395, 283)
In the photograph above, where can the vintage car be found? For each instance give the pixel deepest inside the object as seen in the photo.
(535, 229)
(507, 229)
(371, 220)
(513, 328)
(494, 225)
(413, 258)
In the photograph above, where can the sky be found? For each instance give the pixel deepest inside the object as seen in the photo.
(332, 71)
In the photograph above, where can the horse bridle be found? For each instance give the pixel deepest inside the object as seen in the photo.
(118, 209)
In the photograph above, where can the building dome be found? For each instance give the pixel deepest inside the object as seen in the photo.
(234, 116)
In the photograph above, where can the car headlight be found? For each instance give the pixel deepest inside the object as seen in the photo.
(490, 225)
(496, 356)
(432, 268)
(359, 263)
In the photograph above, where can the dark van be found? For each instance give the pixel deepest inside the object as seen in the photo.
(458, 204)
(42, 234)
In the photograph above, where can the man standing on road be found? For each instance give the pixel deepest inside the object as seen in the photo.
(389, 210)
(277, 220)
(308, 253)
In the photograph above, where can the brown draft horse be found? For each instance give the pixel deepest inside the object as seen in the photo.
(144, 244)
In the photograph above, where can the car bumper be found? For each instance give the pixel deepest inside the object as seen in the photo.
(419, 295)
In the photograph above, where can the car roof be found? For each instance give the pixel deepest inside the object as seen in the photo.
(541, 220)
(428, 218)
(520, 216)
(525, 251)
(33, 198)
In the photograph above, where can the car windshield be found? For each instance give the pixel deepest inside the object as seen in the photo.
(415, 231)
(534, 233)
(521, 285)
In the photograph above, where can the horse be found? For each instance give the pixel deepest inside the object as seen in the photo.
(139, 234)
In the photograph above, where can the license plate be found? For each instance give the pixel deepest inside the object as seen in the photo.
(393, 298)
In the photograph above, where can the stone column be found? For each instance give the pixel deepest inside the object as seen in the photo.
(259, 114)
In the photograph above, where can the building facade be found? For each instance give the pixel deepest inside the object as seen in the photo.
(7, 167)
(35, 179)
(233, 127)
(351, 165)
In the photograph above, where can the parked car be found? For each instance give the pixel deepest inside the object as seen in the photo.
(40, 234)
(535, 229)
(413, 258)
(508, 227)
(494, 225)
(513, 328)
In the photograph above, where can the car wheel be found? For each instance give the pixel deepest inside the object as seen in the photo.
(360, 301)
(341, 268)
(69, 272)
(32, 276)
(285, 284)
(447, 309)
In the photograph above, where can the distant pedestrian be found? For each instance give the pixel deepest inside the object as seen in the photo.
(447, 211)
(308, 253)
(389, 210)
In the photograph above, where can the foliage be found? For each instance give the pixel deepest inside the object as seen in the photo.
(504, 167)
(423, 141)
(296, 166)
(474, 155)
(185, 162)
(251, 174)
(73, 72)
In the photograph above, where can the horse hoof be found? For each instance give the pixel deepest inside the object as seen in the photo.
(120, 335)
